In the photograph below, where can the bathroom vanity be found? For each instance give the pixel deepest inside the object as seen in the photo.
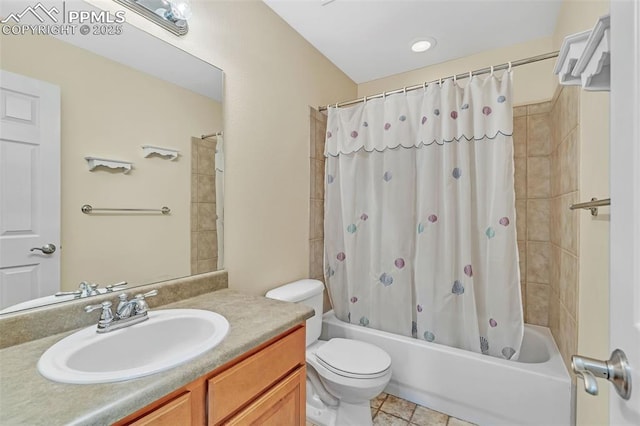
(257, 373)
(265, 385)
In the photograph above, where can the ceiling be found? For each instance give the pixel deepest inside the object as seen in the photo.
(371, 39)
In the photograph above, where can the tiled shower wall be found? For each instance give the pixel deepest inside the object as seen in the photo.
(204, 236)
(532, 148)
(318, 129)
(563, 297)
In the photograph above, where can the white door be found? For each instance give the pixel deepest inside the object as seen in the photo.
(625, 201)
(29, 188)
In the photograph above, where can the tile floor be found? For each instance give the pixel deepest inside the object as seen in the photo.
(388, 410)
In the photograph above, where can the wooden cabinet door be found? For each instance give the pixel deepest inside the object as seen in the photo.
(176, 412)
(284, 404)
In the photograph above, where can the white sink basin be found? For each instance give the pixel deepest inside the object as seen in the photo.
(168, 338)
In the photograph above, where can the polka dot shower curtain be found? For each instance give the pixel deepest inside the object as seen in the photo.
(420, 235)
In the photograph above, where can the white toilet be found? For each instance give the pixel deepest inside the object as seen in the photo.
(343, 375)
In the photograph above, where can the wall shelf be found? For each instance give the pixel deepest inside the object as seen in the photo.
(170, 153)
(112, 164)
(584, 58)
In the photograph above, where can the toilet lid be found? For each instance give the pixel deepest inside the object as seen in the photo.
(352, 358)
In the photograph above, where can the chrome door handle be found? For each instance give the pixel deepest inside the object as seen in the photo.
(46, 249)
(616, 370)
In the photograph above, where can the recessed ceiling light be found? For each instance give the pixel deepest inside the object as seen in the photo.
(422, 44)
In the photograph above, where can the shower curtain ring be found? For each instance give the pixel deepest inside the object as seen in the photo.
(455, 79)
(404, 90)
(509, 70)
(491, 70)
(424, 86)
(365, 99)
(336, 104)
(470, 75)
(440, 82)
(384, 95)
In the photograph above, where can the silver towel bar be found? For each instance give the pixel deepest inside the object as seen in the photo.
(592, 205)
(87, 209)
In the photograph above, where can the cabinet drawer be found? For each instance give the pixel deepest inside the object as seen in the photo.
(240, 384)
(173, 413)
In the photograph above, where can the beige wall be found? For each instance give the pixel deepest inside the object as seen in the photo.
(109, 110)
(532, 83)
(272, 76)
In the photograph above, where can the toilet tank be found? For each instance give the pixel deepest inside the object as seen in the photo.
(308, 292)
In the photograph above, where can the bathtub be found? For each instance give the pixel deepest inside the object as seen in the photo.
(535, 390)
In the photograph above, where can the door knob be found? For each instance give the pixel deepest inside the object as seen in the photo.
(616, 370)
(46, 249)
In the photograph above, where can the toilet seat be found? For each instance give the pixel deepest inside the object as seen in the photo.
(353, 359)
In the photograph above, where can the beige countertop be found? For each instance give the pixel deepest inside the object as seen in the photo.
(27, 398)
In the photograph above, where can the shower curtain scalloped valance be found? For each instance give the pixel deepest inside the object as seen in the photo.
(445, 113)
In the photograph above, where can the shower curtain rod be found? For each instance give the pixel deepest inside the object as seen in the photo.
(480, 71)
(211, 135)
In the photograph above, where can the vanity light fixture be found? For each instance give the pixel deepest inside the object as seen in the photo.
(422, 44)
(172, 15)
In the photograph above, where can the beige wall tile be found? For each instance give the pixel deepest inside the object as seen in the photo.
(555, 173)
(318, 180)
(538, 212)
(194, 252)
(538, 304)
(569, 223)
(569, 162)
(522, 256)
(555, 268)
(207, 245)
(539, 134)
(312, 134)
(316, 258)
(206, 216)
(520, 137)
(317, 217)
(569, 283)
(555, 124)
(538, 262)
(194, 155)
(569, 110)
(555, 220)
(520, 111)
(538, 182)
(321, 132)
(206, 161)
(554, 316)
(568, 336)
(520, 177)
(521, 219)
(194, 217)
(194, 187)
(207, 265)
(539, 108)
(206, 189)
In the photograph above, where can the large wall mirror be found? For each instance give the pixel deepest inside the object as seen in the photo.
(117, 93)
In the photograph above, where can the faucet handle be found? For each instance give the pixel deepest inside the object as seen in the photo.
(117, 286)
(141, 303)
(106, 316)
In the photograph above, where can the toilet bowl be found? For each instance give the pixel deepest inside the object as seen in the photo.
(343, 375)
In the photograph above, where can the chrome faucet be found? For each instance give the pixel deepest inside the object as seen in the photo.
(128, 312)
